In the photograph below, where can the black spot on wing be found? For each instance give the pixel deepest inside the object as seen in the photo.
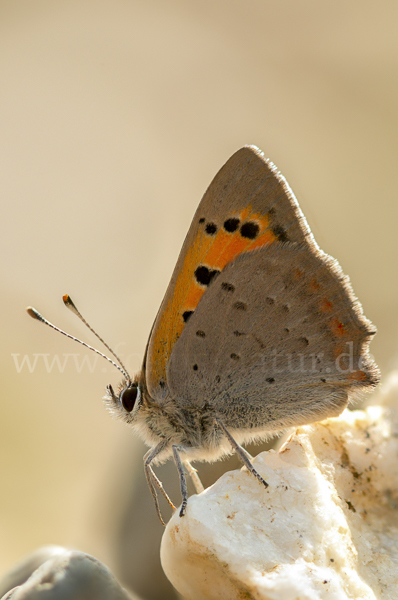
(186, 315)
(211, 228)
(231, 225)
(279, 233)
(240, 306)
(228, 287)
(250, 230)
(204, 275)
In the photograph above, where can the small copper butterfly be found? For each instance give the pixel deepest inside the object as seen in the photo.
(259, 330)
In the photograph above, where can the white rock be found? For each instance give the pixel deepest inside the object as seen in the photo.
(325, 528)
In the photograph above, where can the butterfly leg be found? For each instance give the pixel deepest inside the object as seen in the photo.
(242, 454)
(153, 480)
(183, 481)
(194, 477)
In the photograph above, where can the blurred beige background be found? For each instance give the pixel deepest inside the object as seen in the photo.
(114, 117)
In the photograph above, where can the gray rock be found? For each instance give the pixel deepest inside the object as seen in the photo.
(24, 568)
(70, 575)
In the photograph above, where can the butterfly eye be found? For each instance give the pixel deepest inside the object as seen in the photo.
(128, 397)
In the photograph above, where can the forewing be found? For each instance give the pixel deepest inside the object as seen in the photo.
(248, 205)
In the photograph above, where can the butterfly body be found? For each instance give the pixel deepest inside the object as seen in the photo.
(259, 329)
(194, 429)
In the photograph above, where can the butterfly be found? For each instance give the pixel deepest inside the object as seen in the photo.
(259, 330)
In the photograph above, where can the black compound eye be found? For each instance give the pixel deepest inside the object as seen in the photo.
(128, 397)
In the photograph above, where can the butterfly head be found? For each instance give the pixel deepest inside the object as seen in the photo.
(126, 402)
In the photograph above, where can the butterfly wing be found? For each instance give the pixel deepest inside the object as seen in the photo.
(278, 339)
(248, 205)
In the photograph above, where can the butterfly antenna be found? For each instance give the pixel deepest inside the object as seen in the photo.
(68, 302)
(72, 306)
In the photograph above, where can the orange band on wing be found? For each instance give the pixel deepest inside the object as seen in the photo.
(195, 293)
(263, 240)
(171, 323)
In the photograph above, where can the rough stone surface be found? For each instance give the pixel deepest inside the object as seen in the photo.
(325, 528)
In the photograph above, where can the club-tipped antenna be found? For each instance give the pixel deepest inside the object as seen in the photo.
(72, 306)
(69, 303)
